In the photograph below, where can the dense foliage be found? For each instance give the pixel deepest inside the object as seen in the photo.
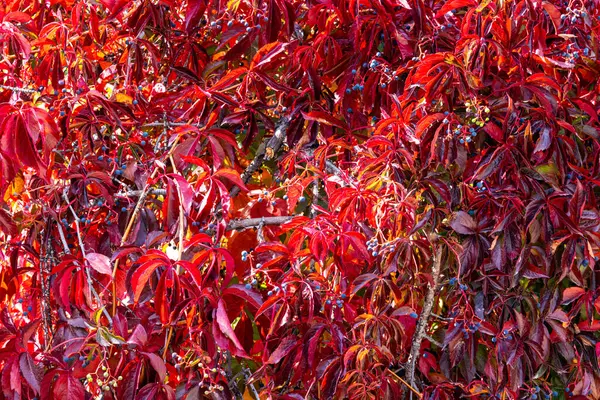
(299, 199)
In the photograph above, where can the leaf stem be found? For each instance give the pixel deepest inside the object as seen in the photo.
(415, 391)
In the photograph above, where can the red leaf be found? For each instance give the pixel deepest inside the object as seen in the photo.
(494, 131)
(453, 5)
(149, 263)
(232, 176)
(571, 294)
(589, 326)
(67, 387)
(32, 373)
(463, 223)
(426, 122)
(194, 11)
(138, 336)
(247, 294)
(323, 118)
(114, 6)
(284, 348)
(362, 281)
(267, 54)
(158, 364)
(99, 262)
(225, 328)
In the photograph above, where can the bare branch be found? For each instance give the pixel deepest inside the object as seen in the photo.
(250, 385)
(76, 217)
(266, 151)
(432, 340)
(169, 124)
(420, 331)
(82, 247)
(333, 169)
(17, 89)
(138, 193)
(62, 238)
(256, 222)
(315, 199)
(260, 237)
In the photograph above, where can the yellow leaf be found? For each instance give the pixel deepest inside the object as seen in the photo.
(16, 187)
(483, 5)
(375, 184)
(233, 5)
(123, 98)
(248, 395)
(97, 314)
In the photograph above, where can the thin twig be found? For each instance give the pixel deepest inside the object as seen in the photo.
(440, 317)
(231, 379)
(315, 199)
(415, 391)
(76, 217)
(250, 385)
(420, 330)
(82, 247)
(62, 238)
(432, 340)
(333, 169)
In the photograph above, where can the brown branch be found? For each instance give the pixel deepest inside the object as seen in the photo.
(265, 152)
(169, 124)
(231, 379)
(420, 331)
(250, 384)
(17, 89)
(260, 237)
(432, 340)
(138, 193)
(83, 253)
(256, 222)
(62, 238)
(76, 220)
(315, 199)
(334, 169)
(45, 255)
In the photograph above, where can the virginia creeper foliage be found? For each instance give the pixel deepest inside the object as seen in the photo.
(285, 199)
